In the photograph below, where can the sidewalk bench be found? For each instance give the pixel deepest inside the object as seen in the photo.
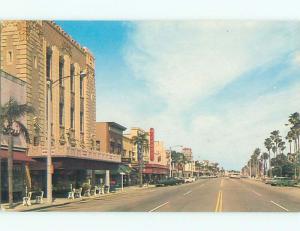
(71, 195)
(27, 199)
(77, 193)
(87, 193)
(39, 199)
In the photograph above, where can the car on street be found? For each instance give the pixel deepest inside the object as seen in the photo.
(189, 180)
(235, 176)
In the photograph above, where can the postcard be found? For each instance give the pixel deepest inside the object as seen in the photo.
(149, 116)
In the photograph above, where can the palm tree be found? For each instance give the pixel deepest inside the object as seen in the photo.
(294, 122)
(142, 142)
(281, 146)
(10, 120)
(265, 157)
(276, 138)
(256, 154)
(289, 138)
(268, 144)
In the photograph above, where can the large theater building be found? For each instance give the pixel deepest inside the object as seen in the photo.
(35, 51)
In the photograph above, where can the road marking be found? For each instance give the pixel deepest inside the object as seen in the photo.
(219, 205)
(256, 193)
(152, 210)
(280, 206)
(187, 193)
(221, 183)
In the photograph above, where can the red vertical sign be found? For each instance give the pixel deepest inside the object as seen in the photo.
(151, 144)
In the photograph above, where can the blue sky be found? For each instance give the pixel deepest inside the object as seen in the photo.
(219, 87)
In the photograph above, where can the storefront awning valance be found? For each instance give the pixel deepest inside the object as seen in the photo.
(17, 155)
(122, 169)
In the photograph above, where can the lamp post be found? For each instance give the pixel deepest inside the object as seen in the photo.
(174, 146)
(50, 169)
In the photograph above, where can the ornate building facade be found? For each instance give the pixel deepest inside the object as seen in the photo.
(35, 51)
(38, 51)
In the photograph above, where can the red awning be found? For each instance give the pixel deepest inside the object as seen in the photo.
(18, 156)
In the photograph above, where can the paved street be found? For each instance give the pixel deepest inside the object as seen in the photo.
(205, 195)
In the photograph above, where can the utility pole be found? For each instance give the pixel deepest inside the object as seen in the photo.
(49, 143)
(170, 175)
(141, 160)
(50, 168)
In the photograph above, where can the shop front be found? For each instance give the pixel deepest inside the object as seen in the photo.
(71, 173)
(21, 177)
(154, 172)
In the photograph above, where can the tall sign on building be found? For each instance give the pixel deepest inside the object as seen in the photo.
(151, 144)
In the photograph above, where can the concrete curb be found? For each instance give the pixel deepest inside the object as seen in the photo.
(45, 206)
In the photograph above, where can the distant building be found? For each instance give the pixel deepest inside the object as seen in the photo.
(109, 137)
(128, 155)
(187, 152)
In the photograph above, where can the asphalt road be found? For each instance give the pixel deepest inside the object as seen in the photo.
(205, 195)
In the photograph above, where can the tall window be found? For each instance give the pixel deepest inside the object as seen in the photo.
(81, 87)
(72, 118)
(61, 114)
(112, 147)
(72, 80)
(61, 71)
(81, 121)
(48, 63)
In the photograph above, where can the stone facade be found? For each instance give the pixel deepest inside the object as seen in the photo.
(128, 155)
(134, 132)
(110, 137)
(36, 50)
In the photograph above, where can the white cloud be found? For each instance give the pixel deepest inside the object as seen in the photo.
(233, 135)
(186, 62)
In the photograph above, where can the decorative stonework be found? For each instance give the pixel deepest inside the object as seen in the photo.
(34, 26)
(66, 49)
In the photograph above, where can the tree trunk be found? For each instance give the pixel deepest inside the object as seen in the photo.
(10, 170)
(270, 169)
(141, 171)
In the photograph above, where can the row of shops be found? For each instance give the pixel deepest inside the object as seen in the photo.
(29, 174)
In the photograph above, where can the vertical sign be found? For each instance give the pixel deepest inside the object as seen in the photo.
(139, 151)
(151, 144)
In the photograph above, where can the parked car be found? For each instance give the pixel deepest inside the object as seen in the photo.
(180, 180)
(283, 181)
(167, 182)
(189, 180)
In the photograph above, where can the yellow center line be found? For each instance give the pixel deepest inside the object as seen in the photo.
(219, 205)
(221, 183)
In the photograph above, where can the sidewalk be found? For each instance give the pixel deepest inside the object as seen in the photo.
(18, 207)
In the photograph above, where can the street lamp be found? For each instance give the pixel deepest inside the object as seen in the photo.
(174, 146)
(50, 84)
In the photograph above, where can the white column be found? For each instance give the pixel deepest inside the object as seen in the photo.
(107, 180)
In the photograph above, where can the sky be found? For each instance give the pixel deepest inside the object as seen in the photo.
(219, 87)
